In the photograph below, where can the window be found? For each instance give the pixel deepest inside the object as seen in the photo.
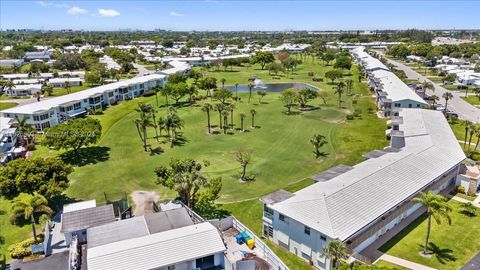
(323, 237)
(409, 105)
(398, 105)
(306, 230)
(418, 105)
(171, 267)
(283, 218)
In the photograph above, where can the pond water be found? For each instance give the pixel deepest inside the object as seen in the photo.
(271, 87)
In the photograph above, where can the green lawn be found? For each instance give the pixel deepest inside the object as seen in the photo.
(271, 146)
(474, 100)
(282, 156)
(389, 265)
(452, 245)
(7, 105)
(63, 91)
(5, 97)
(9, 233)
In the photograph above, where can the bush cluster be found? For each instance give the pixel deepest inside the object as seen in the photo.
(22, 249)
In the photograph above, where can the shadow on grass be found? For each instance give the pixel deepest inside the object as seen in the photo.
(180, 140)
(156, 151)
(86, 156)
(443, 255)
(402, 234)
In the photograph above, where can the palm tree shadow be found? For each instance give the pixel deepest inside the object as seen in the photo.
(180, 140)
(156, 151)
(443, 255)
(86, 156)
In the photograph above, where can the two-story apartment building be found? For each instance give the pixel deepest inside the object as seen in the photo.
(391, 93)
(359, 205)
(50, 112)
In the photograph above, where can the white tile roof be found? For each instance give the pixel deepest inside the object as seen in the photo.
(345, 204)
(54, 102)
(157, 250)
(79, 206)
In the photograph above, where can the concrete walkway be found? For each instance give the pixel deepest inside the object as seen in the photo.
(404, 263)
(142, 71)
(464, 109)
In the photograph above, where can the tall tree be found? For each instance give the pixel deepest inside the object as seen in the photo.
(242, 116)
(250, 87)
(447, 96)
(223, 80)
(23, 128)
(207, 107)
(219, 107)
(253, 113)
(305, 95)
(288, 98)
(231, 108)
(437, 207)
(335, 250)
(68, 86)
(28, 205)
(225, 120)
(236, 91)
(426, 85)
(222, 95)
(466, 125)
(183, 176)
(318, 141)
(339, 90)
(244, 159)
(74, 134)
(48, 177)
(473, 129)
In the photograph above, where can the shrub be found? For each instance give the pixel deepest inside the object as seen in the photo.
(350, 117)
(22, 249)
(311, 73)
(358, 112)
(30, 147)
(471, 194)
(354, 101)
(461, 189)
(317, 79)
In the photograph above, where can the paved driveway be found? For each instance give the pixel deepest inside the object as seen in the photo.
(464, 109)
(473, 264)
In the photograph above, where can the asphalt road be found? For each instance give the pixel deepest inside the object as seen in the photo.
(465, 110)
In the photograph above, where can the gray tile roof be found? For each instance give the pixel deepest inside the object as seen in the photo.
(86, 218)
(331, 173)
(117, 231)
(168, 220)
(277, 196)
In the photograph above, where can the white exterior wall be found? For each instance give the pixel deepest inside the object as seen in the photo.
(463, 181)
(55, 116)
(299, 241)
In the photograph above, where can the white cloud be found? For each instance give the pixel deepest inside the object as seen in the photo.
(176, 14)
(108, 12)
(43, 3)
(76, 10)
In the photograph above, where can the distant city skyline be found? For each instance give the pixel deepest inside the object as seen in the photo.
(213, 15)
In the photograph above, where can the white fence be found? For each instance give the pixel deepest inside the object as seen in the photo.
(269, 255)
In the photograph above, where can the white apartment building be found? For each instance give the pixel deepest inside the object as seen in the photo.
(49, 112)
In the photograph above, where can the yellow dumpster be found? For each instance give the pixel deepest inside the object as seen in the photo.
(250, 243)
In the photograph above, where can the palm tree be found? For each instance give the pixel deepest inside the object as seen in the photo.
(207, 107)
(478, 139)
(253, 113)
(174, 123)
(349, 85)
(27, 205)
(318, 141)
(142, 125)
(157, 89)
(231, 108)
(447, 96)
(165, 91)
(335, 251)
(48, 89)
(467, 125)
(473, 130)
(38, 95)
(236, 91)
(10, 85)
(23, 127)
(225, 121)
(250, 87)
(437, 207)
(426, 85)
(67, 86)
(242, 116)
(339, 90)
(434, 98)
(219, 108)
(161, 125)
(223, 80)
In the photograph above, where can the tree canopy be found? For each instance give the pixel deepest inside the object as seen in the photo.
(73, 134)
(48, 177)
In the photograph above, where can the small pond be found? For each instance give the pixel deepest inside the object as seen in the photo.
(271, 87)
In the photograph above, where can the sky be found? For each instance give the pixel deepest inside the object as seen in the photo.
(227, 15)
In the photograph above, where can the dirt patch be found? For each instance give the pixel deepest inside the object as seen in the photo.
(143, 201)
